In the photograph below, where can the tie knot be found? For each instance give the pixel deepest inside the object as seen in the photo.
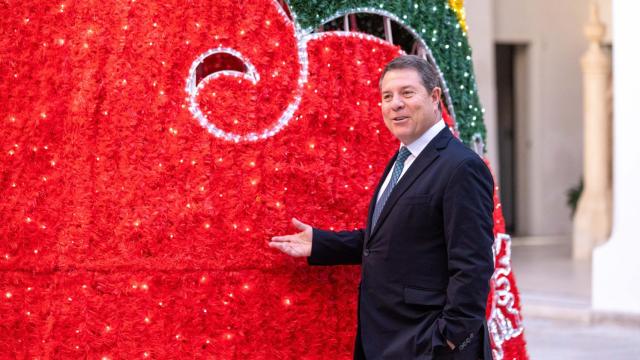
(403, 154)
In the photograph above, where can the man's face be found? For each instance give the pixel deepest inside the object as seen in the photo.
(408, 108)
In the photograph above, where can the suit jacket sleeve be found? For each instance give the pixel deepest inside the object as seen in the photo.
(336, 248)
(468, 226)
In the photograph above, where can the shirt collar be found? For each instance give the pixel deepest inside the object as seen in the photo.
(420, 143)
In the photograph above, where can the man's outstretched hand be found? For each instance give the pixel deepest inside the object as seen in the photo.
(296, 245)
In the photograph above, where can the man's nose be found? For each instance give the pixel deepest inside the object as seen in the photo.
(397, 103)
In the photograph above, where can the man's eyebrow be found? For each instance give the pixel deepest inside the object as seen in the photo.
(402, 88)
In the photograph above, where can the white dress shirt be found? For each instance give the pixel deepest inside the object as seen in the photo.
(415, 148)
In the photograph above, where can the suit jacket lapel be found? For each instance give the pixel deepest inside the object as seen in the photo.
(373, 201)
(420, 164)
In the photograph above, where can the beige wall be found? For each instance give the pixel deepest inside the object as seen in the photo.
(550, 160)
(481, 37)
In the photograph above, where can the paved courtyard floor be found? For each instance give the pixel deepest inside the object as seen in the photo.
(556, 306)
(562, 340)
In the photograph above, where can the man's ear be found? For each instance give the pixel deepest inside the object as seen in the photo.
(436, 93)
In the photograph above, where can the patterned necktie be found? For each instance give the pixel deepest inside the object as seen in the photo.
(397, 171)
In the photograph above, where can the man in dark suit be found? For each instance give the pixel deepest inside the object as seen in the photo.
(426, 251)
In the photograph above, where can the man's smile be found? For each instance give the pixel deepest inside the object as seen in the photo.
(399, 119)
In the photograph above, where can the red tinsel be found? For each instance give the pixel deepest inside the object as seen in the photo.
(128, 230)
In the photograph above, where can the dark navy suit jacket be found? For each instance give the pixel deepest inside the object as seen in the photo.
(427, 264)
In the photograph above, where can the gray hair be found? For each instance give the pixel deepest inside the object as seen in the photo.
(427, 71)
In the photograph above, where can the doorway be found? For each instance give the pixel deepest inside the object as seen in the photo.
(511, 85)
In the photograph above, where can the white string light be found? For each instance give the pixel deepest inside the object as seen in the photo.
(252, 75)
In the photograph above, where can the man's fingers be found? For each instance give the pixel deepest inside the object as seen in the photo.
(299, 224)
(290, 244)
(285, 238)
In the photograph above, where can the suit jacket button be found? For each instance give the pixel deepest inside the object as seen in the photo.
(366, 252)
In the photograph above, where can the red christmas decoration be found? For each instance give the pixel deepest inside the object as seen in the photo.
(131, 230)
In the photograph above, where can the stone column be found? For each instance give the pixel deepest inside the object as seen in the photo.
(592, 222)
(616, 264)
